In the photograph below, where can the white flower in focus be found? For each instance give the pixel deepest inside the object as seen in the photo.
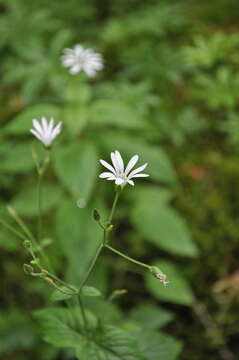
(118, 173)
(81, 59)
(44, 131)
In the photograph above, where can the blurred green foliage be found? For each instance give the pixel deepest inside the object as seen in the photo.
(169, 92)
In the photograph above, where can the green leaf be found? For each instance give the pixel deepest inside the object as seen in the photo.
(16, 158)
(109, 343)
(76, 167)
(116, 113)
(156, 346)
(177, 291)
(26, 203)
(79, 237)
(159, 165)
(58, 295)
(64, 328)
(58, 326)
(90, 291)
(75, 118)
(150, 316)
(161, 224)
(17, 330)
(22, 123)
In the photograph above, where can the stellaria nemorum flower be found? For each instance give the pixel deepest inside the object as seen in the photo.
(118, 173)
(44, 131)
(82, 59)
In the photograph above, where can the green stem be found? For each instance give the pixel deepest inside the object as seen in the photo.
(91, 266)
(128, 257)
(81, 305)
(22, 225)
(93, 262)
(70, 287)
(13, 230)
(39, 203)
(113, 207)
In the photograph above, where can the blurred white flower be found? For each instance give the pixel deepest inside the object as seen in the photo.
(44, 131)
(81, 59)
(117, 172)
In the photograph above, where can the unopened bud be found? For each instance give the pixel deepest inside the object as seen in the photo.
(36, 261)
(28, 269)
(49, 280)
(109, 227)
(96, 215)
(27, 244)
(159, 275)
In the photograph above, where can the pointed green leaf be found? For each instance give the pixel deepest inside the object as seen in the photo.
(160, 224)
(90, 291)
(76, 167)
(157, 346)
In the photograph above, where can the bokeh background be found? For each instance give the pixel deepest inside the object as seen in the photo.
(169, 92)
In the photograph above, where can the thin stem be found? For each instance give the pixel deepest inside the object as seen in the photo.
(29, 234)
(39, 203)
(81, 305)
(13, 230)
(22, 225)
(91, 266)
(128, 257)
(70, 287)
(113, 207)
(93, 262)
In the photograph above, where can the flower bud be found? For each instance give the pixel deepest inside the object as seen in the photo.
(27, 244)
(96, 215)
(109, 227)
(159, 275)
(28, 269)
(36, 261)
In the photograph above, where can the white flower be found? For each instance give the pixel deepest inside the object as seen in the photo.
(44, 131)
(81, 59)
(118, 173)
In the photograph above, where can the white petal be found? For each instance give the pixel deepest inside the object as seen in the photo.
(50, 127)
(119, 181)
(139, 175)
(37, 126)
(141, 168)
(75, 69)
(130, 182)
(44, 125)
(108, 166)
(35, 133)
(119, 161)
(115, 162)
(56, 131)
(106, 175)
(78, 49)
(89, 71)
(131, 164)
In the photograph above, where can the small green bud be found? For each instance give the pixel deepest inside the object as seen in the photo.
(96, 215)
(28, 269)
(36, 261)
(27, 244)
(159, 275)
(109, 227)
